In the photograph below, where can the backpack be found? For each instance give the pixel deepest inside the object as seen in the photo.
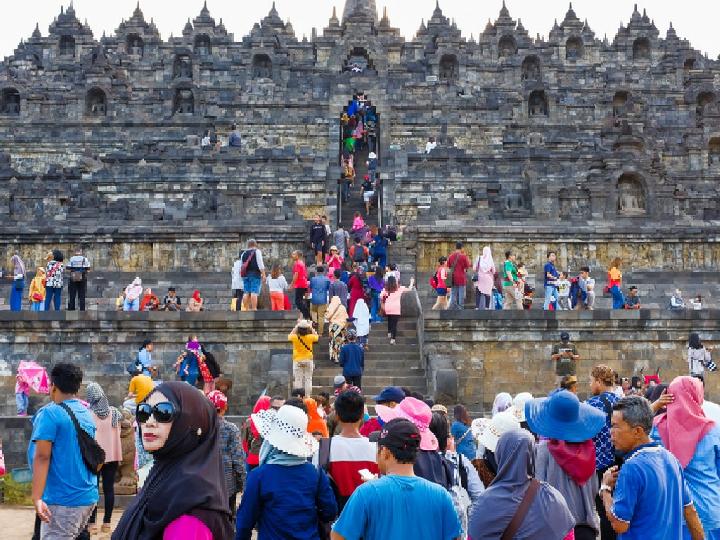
(246, 263)
(358, 254)
(458, 489)
(434, 281)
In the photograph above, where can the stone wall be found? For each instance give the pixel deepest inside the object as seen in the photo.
(510, 351)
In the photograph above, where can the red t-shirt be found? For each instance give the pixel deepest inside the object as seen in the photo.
(302, 278)
(463, 263)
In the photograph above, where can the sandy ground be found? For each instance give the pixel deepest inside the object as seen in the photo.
(16, 523)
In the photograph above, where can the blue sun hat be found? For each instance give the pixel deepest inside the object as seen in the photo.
(562, 417)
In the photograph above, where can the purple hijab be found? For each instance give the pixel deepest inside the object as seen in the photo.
(548, 517)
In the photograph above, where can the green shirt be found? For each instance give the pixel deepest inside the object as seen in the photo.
(509, 266)
(563, 365)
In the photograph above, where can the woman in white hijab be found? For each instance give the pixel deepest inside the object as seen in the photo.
(502, 402)
(485, 273)
(362, 322)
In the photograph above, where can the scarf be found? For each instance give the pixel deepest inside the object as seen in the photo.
(336, 312)
(98, 402)
(502, 402)
(270, 455)
(548, 516)
(262, 404)
(486, 264)
(18, 265)
(576, 459)
(196, 296)
(362, 317)
(315, 421)
(684, 424)
(187, 477)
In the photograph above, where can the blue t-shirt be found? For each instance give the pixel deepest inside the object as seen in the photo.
(69, 481)
(145, 358)
(703, 478)
(651, 489)
(549, 268)
(396, 507)
(319, 285)
(464, 441)
(352, 360)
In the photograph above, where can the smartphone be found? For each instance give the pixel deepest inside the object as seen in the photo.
(366, 475)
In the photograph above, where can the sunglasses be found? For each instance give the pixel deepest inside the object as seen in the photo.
(162, 412)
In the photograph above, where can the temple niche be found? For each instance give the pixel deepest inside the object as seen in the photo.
(10, 102)
(641, 49)
(620, 104)
(449, 68)
(262, 67)
(135, 45)
(182, 67)
(574, 48)
(538, 103)
(631, 195)
(96, 103)
(358, 61)
(574, 203)
(531, 68)
(705, 102)
(202, 45)
(184, 102)
(714, 151)
(507, 46)
(67, 47)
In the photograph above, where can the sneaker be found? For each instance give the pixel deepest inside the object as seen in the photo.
(392, 342)
(389, 335)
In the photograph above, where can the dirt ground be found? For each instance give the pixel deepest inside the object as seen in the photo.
(16, 523)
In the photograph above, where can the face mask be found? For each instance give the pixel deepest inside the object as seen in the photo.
(366, 418)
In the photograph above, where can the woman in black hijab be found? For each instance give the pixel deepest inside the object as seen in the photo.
(184, 495)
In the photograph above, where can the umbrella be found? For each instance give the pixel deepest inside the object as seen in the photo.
(35, 375)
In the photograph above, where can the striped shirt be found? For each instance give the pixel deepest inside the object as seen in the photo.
(348, 456)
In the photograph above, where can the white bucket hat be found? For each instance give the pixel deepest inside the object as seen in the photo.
(286, 430)
(501, 423)
(518, 406)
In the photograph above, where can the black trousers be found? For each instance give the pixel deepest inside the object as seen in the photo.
(393, 324)
(77, 289)
(583, 532)
(606, 530)
(301, 303)
(354, 381)
(107, 475)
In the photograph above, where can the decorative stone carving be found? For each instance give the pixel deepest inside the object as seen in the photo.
(631, 196)
(127, 477)
(184, 101)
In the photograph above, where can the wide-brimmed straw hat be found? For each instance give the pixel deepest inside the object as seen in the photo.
(562, 417)
(488, 433)
(286, 430)
(418, 412)
(518, 406)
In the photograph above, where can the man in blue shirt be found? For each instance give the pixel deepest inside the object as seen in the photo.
(319, 287)
(648, 498)
(352, 360)
(399, 504)
(551, 276)
(64, 490)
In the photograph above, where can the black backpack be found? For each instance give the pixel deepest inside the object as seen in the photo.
(358, 254)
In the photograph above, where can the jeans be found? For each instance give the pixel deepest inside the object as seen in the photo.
(16, 294)
(21, 403)
(66, 523)
(392, 325)
(131, 305)
(381, 259)
(482, 301)
(301, 303)
(107, 474)
(457, 297)
(375, 306)
(551, 295)
(77, 289)
(52, 296)
(618, 298)
(37, 306)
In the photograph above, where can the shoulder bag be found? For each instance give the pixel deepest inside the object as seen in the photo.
(522, 511)
(92, 453)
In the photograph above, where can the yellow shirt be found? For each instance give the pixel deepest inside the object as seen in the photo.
(300, 352)
(141, 386)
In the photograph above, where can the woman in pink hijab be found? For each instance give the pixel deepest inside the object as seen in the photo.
(695, 441)
(485, 276)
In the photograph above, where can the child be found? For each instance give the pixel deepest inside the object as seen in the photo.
(22, 389)
(563, 288)
(633, 299)
(392, 270)
(37, 290)
(358, 222)
(529, 294)
(277, 284)
(590, 286)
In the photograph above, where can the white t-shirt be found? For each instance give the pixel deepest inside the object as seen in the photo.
(237, 281)
(278, 284)
(563, 287)
(430, 146)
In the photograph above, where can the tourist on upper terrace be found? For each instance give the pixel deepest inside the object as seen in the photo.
(439, 282)
(150, 301)
(694, 440)
(300, 283)
(107, 423)
(252, 270)
(286, 496)
(676, 300)
(236, 283)
(459, 263)
(696, 303)
(565, 356)
(234, 139)
(133, 292)
(551, 277)
(546, 517)
(319, 287)
(632, 301)
(566, 454)
(391, 300)
(303, 337)
(54, 280)
(563, 286)
(318, 237)
(587, 288)
(648, 498)
(334, 261)
(512, 296)
(430, 145)
(614, 284)
(484, 277)
(698, 355)
(171, 301)
(277, 285)
(18, 283)
(78, 268)
(36, 294)
(337, 317)
(195, 302)
(184, 495)
(341, 240)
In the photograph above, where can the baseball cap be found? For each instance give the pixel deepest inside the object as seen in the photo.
(564, 336)
(390, 393)
(400, 434)
(339, 381)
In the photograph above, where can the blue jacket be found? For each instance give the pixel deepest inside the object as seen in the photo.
(352, 360)
(281, 500)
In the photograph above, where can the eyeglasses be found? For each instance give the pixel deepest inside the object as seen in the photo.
(162, 412)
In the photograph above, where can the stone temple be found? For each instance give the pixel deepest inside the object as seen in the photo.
(595, 147)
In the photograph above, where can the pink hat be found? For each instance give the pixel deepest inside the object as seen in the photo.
(418, 412)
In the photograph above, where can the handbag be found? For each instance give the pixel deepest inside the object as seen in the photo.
(92, 453)
(459, 495)
(522, 511)
(37, 297)
(76, 276)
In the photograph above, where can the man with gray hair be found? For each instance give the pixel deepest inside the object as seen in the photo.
(252, 271)
(78, 268)
(647, 498)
